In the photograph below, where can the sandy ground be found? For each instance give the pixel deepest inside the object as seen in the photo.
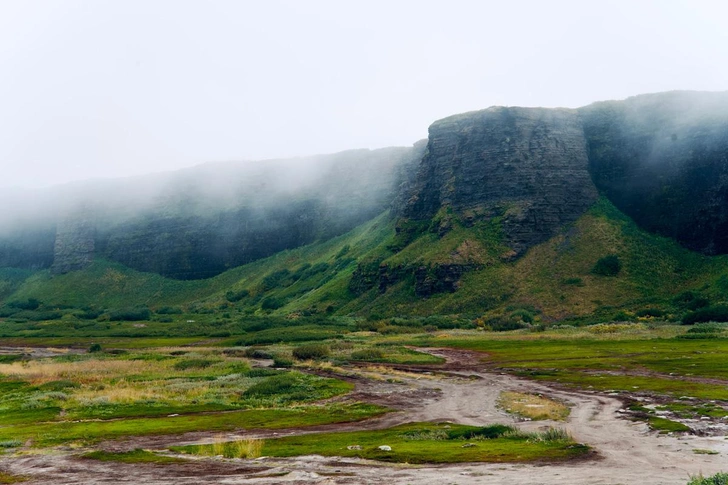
(626, 452)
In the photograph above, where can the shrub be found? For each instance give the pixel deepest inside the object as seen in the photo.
(261, 372)
(503, 324)
(130, 314)
(271, 303)
(311, 352)
(275, 279)
(487, 432)
(169, 310)
(29, 304)
(650, 312)
(256, 353)
(622, 316)
(706, 328)
(717, 313)
(193, 364)
(717, 479)
(280, 361)
(95, 348)
(89, 313)
(233, 296)
(607, 266)
(367, 354)
(521, 316)
(39, 316)
(690, 300)
(278, 384)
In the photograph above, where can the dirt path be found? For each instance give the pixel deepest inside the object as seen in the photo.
(627, 452)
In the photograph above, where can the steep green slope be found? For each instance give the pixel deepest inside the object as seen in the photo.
(443, 266)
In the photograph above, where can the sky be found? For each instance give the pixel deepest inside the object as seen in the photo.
(101, 88)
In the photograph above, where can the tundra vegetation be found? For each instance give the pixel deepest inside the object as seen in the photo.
(277, 343)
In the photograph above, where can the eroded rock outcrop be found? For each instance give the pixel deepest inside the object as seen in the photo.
(74, 244)
(526, 166)
(662, 159)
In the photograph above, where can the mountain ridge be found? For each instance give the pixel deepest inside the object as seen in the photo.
(444, 224)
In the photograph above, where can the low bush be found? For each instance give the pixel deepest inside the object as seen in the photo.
(271, 303)
(233, 296)
(278, 384)
(256, 353)
(130, 315)
(717, 479)
(169, 310)
(367, 354)
(689, 300)
(29, 304)
(607, 266)
(716, 313)
(573, 282)
(311, 352)
(503, 324)
(486, 432)
(193, 364)
(650, 312)
(89, 314)
(261, 372)
(707, 328)
(280, 361)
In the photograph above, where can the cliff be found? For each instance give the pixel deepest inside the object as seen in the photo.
(199, 222)
(528, 167)
(663, 160)
(527, 173)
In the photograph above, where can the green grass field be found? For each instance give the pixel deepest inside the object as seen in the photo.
(418, 443)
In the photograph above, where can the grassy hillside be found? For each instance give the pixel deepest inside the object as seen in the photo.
(388, 268)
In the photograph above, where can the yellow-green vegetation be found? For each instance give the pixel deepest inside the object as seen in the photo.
(419, 443)
(717, 479)
(135, 456)
(57, 432)
(701, 451)
(8, 478)
(243, 448)
(621, 361)
(533, 406)
(159, 391)
(688, 377)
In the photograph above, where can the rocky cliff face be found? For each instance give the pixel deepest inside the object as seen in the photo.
(199, 222)
(663, 160)
(73, 248)
(527, 166)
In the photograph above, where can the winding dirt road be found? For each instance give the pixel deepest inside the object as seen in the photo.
(626, 452)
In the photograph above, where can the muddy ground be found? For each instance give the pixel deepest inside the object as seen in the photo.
(462, 391)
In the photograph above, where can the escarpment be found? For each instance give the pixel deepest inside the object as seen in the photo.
(528, 167)
(662, 159)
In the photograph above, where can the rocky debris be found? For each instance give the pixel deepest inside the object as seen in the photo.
(384, 448)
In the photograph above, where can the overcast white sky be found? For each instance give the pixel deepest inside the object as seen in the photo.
(114, 88)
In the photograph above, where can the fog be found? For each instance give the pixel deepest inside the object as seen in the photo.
(101, 89)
